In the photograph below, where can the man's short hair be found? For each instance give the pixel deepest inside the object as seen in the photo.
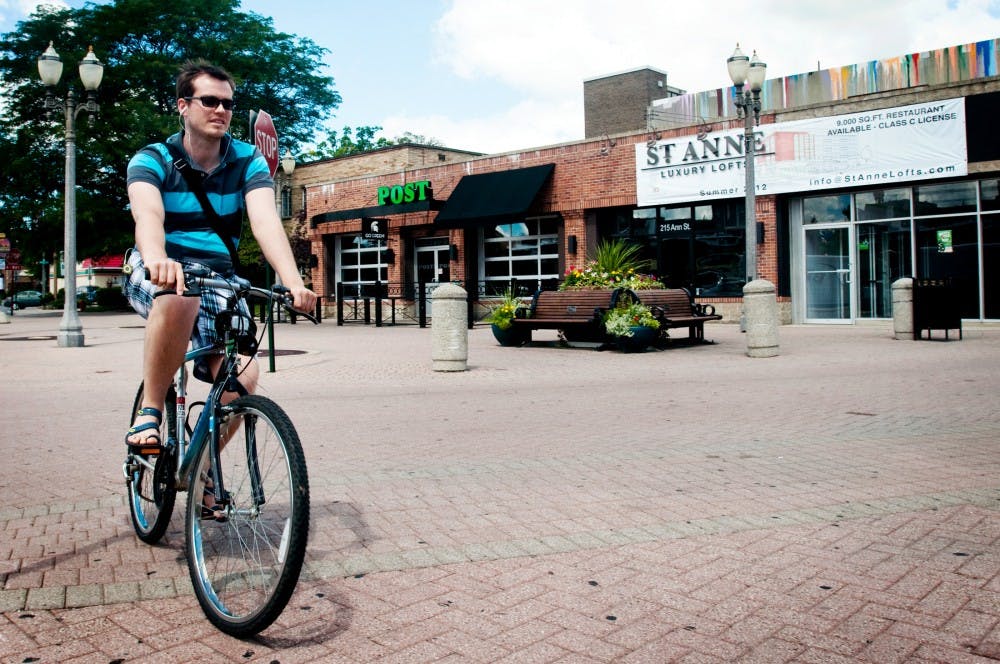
(192, 69)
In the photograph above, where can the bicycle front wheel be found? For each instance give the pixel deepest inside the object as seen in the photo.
(245, 555)
(150, 477)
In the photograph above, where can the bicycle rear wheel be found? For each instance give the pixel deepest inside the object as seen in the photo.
(150, 478)
(244, 565)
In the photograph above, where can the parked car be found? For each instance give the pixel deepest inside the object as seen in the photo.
(22, 299)
(87, 293)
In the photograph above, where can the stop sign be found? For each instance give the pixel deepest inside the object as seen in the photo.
(265, 137)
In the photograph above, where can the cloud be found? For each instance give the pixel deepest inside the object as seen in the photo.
(541, 51)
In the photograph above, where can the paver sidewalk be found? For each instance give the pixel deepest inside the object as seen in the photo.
(839, 502)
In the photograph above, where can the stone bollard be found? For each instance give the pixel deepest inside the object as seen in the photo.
(4, 319)
(450, 328)
(902, 308)
(760, 307)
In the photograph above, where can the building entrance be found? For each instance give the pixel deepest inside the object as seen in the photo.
(828, 274)
(431, 266)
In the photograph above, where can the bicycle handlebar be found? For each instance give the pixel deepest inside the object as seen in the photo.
(196, 278)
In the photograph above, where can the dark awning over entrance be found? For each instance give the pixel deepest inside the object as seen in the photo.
(490, 198)
(376, 211)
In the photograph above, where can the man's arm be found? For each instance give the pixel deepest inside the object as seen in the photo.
(146, 202)
(266, 227)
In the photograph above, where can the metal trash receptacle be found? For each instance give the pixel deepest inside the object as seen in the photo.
(936, 306)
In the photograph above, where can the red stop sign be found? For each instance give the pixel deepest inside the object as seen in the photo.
(265, 137)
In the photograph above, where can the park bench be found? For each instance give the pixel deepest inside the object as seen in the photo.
(676, 308)
(577, 313)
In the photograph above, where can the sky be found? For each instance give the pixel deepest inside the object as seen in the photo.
(503, 75)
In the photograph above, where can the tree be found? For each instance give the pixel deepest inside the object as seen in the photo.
(142, 43)
(346, 144)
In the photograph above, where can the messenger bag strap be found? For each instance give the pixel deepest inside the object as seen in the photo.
(198, 188)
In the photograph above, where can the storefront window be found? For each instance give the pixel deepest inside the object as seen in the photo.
(527, 251)
(951, 198)
(699, 247)
(947, 248)
(989, 195)
(361, 262)
(991, 266)
(882, 204)
(826, 209)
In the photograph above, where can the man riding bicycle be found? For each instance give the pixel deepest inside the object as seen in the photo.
(173, 227)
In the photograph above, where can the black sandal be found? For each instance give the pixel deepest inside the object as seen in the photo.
(144, 446)
(214, 512)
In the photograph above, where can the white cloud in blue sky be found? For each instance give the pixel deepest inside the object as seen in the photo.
(495, 76)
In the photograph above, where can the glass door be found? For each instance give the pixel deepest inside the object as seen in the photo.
(883, 257)
(828, 274)
(432, 266)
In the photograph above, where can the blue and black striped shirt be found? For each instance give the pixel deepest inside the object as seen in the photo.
(189, 235)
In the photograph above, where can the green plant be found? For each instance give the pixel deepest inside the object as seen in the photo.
(505, 311)
(619, 320)
(615, 264)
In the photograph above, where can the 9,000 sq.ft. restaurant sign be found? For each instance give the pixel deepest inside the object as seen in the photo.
(886, 146)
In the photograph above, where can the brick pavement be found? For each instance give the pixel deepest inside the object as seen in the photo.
(840, 502)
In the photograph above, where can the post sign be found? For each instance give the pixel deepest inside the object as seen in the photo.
(265, 137)
(405, 193)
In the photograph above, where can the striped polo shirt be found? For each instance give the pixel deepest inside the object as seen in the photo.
(189, 235)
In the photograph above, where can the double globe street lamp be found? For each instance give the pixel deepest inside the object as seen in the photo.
(91, 71)
(749, 73)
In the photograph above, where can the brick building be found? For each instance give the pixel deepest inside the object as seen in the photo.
(866, 174)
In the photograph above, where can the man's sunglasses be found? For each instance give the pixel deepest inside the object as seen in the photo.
(212, 103)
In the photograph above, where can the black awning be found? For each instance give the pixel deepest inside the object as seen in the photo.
(376, 211)
(489, 198)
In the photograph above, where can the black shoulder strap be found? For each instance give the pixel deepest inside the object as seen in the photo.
(197, 187)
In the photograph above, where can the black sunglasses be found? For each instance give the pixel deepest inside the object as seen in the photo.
(210, 102)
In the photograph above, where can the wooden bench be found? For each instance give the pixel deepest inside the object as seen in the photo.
(577, 313)
(676, 308)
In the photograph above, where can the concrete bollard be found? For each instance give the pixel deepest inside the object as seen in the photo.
(902, 309)
(450, 328)
(760, 307)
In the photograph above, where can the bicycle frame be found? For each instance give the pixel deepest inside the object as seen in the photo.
(206, 429)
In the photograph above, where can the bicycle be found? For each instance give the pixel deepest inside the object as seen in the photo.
(247, 512)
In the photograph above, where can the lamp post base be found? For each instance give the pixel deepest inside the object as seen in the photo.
(70, 339)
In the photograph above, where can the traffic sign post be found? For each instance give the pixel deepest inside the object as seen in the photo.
(265, 137)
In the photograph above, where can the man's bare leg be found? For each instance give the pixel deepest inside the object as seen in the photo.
(168, 332)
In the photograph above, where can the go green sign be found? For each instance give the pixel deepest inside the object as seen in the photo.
(410, 192)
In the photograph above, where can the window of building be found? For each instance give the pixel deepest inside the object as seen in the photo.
(527, 251)
(950, 198)
(826, 209)
(882, 204)
(286, 202)
(361, 262)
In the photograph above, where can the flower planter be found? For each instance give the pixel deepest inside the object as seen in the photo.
(641, 338)
(511, 336)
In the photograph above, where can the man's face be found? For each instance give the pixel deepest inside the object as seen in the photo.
(209, 122)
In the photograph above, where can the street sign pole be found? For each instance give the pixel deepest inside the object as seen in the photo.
(265, 137)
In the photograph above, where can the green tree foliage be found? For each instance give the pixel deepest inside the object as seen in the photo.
(345, 144)
(142, 43)
(361, 139)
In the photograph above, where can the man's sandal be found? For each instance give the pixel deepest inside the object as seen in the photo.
(213, 512)
(151, 444)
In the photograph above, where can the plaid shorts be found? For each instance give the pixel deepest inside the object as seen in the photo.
(140, 291)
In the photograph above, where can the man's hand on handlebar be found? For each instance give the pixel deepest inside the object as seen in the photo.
(303, 299)
(166, 274)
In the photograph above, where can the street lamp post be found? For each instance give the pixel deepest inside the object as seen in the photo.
(748, 72)
(91, 71)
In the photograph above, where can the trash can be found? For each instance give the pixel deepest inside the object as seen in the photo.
(936, 306)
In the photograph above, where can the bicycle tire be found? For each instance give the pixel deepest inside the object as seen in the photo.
(244, 568)
(151, 478)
